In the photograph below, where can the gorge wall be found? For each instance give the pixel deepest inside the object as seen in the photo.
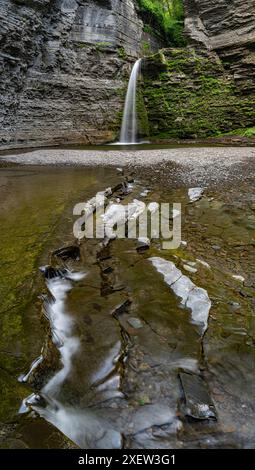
(208, 88)
(64, 66)
(189, 94)
(227, 27)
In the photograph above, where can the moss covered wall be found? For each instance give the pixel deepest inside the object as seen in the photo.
(188, 94)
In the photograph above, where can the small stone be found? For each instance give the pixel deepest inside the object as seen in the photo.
(143, 244)
(135, 323)
(250, 282)
(216, 247)
(238, 278)
(203, 263)
(197, 402)
(234, 305)
(130, 179)
(144, 193)
(107, 270)
(195, 194)
(68, 252)
(144, 400)
(190, 269)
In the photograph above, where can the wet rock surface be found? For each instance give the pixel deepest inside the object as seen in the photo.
(197, 403)
(135, 370)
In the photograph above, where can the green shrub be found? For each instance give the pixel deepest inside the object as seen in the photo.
(122, 53)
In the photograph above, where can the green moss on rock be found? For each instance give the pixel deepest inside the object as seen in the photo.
(189, 94)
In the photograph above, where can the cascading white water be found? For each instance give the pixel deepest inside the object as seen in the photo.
(128, 133)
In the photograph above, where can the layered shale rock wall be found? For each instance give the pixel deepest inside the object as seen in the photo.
(189, 94)
(64, 66)
(227, 27)
(208, 88)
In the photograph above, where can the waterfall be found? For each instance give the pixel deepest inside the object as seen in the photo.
(128, 133)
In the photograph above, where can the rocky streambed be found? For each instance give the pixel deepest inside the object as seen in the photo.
(118, 342)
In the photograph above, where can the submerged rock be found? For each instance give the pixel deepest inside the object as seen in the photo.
(197, 402)
(189, 268)
(51, 273)
(135, 323)
(238, 278)
(68, 252)
(216, 247)
(143, 244)
(151, 415)
(193, 297)
(195, 194)
(144, 193)
(116, 216)
(203, 263)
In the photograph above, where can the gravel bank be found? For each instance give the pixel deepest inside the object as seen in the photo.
(187, 165)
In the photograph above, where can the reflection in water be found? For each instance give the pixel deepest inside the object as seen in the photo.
(121, 377)
(84, 427)
(108, 364)
(193, 297)
(35, 363)
(61, 325)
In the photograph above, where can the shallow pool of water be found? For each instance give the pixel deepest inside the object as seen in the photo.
(122, 359)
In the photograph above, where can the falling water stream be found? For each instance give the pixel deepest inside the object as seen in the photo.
(128, 133)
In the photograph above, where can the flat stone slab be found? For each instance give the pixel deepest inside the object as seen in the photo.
(197, 402)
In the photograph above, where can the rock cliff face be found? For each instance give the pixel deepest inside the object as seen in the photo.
(64, 65)
(227, 27)
(207, 89)
(189, 94)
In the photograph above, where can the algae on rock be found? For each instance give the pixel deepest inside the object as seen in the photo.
(189, 94)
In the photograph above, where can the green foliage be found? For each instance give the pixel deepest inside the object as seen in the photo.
(250, 132)
(246, 132)
(101, 46)
(145, 48)
(82, 45)
(122, 53)
(166, 17)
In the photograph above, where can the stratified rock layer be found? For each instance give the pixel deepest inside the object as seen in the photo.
(227, 27)
(189, 94)
(207, 89)
(64, 65)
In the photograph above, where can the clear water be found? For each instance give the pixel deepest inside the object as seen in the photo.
(119, 380)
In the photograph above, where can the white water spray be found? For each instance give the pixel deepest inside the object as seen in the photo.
(128, 133)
